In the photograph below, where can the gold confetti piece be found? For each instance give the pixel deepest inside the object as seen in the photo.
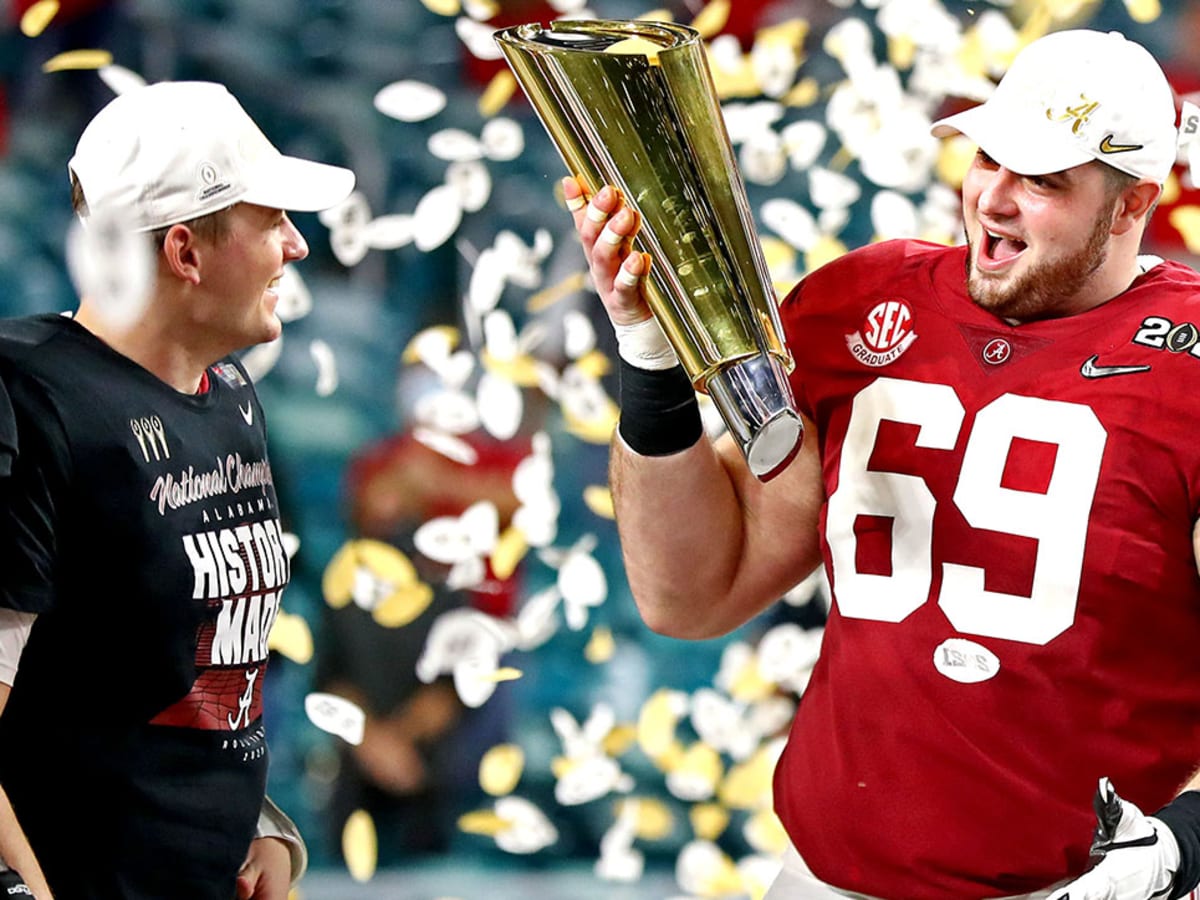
(619, 739)
(1186, 220)
(403, 605)
(657, 720)
(954, 159)
(360, 845)
(504, 673)
(521, 370)
(497, 93)
(511, 547)
(292, 637)
(657, 15)
(655, 821)
(561, 766)
(749, 685)
(597, 429)
(1170, 191)
(635, 46)
(547, 297)
(902, 50)
(78, 59)
(35, 19)
(748, 784)
(443, 7)
(710, 20)
(826, 249)
(804, 93)
(387, 565)
(594, 364)
(599, 500)
(501, 768)
(779, 254)
(601, 647)
(482, 821)
(766, 833)
(702, 762)
(1143, 11)
(709, 820)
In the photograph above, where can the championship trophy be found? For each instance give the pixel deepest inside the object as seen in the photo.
(632, 104)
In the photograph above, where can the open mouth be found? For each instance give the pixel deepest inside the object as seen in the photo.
(998, 248)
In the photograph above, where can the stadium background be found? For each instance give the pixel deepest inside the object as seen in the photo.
(309, 72)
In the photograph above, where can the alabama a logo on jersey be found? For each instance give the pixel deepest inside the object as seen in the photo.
(886, 332)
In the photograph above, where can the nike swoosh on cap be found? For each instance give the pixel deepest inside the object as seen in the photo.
(1107, 146)
(1089, 369)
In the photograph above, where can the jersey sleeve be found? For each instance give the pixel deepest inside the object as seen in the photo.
(31, 495)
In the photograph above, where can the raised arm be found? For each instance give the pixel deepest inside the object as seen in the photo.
(706, 545)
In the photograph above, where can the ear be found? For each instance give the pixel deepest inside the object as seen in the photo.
(181, 252)
(1134, 205)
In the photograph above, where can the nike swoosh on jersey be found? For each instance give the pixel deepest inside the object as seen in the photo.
(248, 412)
(1089, 369)
(1107, 146)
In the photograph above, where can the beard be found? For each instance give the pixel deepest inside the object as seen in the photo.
(1047, 289)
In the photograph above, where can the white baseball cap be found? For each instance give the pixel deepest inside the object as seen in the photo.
(1071, 97)
(177, 150)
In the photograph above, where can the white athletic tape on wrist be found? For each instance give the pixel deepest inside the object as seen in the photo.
(645, 346)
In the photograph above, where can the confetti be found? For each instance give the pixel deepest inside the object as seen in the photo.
(600, 647)
(336, 715)
(78, 59)
(497, 93)
(40, 14)
(500, 769)
(291, 636)
(410, 101)
(599, 500)
(360, 846)
(712, 18)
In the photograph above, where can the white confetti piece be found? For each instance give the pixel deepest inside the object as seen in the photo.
(119, 79)
(327, 376)
(500, 406)
(336, 715)
(112, 266)
(455, 145)
(477, 37)
(390, 232)
(472, 181)
(502, 140)
(437, 216)
(448, 445)
(410, 101)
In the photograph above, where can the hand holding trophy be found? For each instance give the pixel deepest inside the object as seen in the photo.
(632, 104)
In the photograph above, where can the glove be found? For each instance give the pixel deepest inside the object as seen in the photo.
(13, 885)
(1139, 854)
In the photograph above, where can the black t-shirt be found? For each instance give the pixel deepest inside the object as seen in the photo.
(140, 524)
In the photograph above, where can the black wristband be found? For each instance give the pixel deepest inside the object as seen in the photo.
(1182, 816)
(659, 411)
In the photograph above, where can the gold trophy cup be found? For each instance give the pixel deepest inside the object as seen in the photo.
(632, 104)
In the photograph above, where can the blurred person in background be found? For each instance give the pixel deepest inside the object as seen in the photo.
(140, 548)
(421, 746)
(1000, 476)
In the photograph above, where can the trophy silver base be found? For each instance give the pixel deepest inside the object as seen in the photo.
(755, 400)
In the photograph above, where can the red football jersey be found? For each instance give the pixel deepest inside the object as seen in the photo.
(1008, 535)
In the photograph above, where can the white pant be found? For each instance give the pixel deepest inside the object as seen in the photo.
(797, 882)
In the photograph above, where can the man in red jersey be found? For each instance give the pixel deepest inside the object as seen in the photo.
(1001, 478)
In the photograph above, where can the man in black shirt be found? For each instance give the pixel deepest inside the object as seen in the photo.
(141, 560)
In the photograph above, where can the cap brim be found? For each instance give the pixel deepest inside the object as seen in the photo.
(300, 185)
(1030, 147)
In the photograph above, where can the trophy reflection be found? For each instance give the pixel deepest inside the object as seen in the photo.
(632, 104)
